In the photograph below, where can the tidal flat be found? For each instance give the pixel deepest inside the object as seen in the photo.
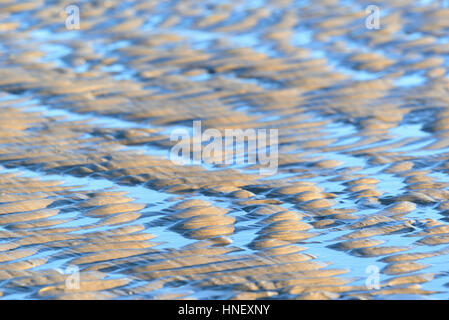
(93, 207)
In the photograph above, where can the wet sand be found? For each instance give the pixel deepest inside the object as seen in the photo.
(86, 180)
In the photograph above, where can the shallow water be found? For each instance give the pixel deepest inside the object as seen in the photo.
(363, 131)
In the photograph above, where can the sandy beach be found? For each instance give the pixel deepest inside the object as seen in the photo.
(346, 102)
